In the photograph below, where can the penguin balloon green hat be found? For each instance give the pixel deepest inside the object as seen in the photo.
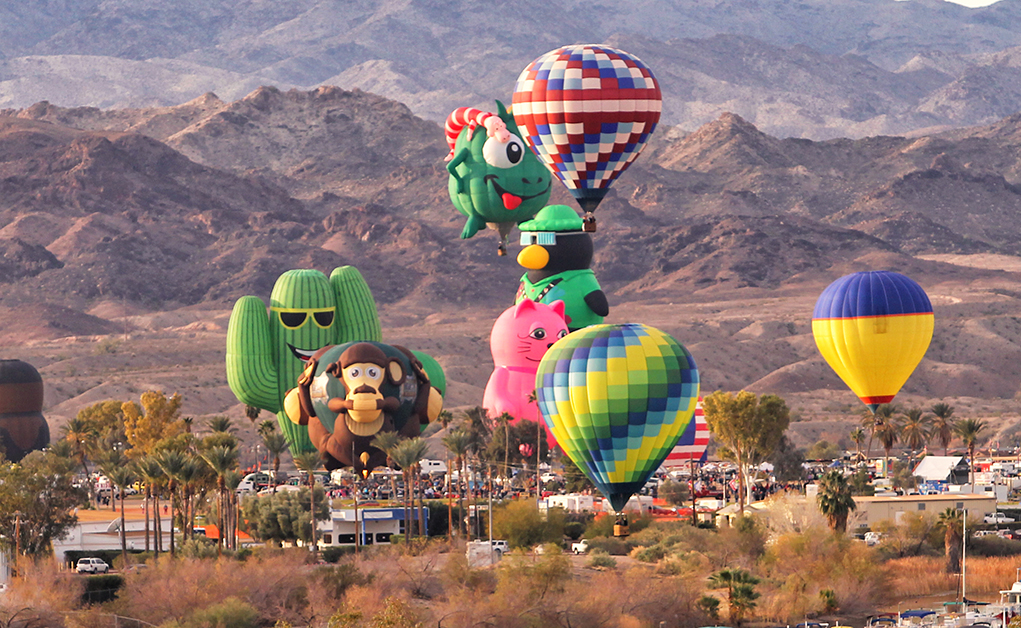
(553, 218)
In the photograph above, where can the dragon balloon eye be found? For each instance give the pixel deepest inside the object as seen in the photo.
(503, 154)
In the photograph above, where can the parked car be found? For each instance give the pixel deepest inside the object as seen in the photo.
(997, 517)
(872, 538)
(580, 547)
(92, 565)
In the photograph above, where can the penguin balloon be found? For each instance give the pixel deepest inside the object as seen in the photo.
(557, 254)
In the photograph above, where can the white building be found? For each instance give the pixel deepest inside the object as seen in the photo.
(377, 525)
(106, 535)
(572, 502)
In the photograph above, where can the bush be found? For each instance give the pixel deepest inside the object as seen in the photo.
(611, 545)
(337, 580)
(99, 589)
(649, 554)
(602, 525)
(231, 613)
(574, 529)
(993, 546)
(598, 559)
(333, 554)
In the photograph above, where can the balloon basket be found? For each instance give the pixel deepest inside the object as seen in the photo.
(620, 527)
(588, 223)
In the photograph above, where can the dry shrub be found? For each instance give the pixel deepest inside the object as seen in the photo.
(45, 590)
(918, 576)
(416, 574)
(798, 566)
(636, 597)
(457, 576)
(274, 582)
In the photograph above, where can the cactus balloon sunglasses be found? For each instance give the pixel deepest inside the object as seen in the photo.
(295, 317)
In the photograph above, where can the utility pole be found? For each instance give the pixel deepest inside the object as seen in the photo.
(17, 542)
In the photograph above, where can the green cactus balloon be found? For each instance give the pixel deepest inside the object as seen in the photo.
(307, 311)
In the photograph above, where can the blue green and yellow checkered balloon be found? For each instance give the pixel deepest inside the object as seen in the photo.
(617, 398)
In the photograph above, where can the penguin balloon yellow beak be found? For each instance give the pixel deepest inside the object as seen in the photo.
(533, 257)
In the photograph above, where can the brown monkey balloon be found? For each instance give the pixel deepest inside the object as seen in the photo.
(349, 393)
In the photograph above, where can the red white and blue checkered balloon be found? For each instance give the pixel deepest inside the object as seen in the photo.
(587, 112)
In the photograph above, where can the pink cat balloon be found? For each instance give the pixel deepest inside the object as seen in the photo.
(520, 337)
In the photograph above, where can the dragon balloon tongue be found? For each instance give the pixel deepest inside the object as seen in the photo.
(510, 201)
(587, 111)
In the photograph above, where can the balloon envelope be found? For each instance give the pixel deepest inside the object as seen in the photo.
(617, 398)
(873, 329)
(586, 112)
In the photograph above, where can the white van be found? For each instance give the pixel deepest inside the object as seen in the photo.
(432, 466)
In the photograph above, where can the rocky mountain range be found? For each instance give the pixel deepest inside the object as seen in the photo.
(140, 227)
(815, 69)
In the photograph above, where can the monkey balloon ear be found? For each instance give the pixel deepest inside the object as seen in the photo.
(395, 372)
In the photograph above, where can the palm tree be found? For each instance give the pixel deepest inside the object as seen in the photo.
(252, 413)
(915, 432)
(835, 500)
(152, 475)
(968, 430)
(953, 526)
(886, 430)
(81, 434)
(122, 476)
(407, 455)
(232, 479)
(858, 435)
(275, 443)
(221, 424)
(740, 590)
(457, 443)
(173, 464)
(266, 427)
(943, 424)
(221, 460)
(505, 420)
(386, 442)
(309, 462)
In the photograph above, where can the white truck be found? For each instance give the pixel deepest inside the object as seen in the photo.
(482, 554)
(580, 547)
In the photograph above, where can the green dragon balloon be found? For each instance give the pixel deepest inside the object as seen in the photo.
(307, 311)
(494, 178)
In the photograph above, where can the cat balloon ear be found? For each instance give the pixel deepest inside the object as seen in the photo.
(528, 305)
(558, 307)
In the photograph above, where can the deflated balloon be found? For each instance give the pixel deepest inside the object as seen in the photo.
(873, 329)
(587, 111)
(617, 398)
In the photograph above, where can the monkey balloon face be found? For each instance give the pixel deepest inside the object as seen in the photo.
(364, 368)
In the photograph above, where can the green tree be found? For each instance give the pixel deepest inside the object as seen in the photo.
(106, 419)
(42, 489)
(872, 420)
(674, 493)
(968, 431)
(824, 450)
(787, 461)
(221, 424)
(749, 426)
(521, 523)
(861, 484)
(575, 481)
(952, 522)
(741, 594)
(387, 442)
(943, 424)
(81, 434)
(275, 443)
(309, 462)
(283, 517)
(835, 500)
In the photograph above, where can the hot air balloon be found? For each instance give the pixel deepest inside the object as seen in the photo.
(691, 446)
(873, 329)
(617, 398)
(587, 111)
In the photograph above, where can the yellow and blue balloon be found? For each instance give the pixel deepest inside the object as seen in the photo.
(873, 328)
(617, 399)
